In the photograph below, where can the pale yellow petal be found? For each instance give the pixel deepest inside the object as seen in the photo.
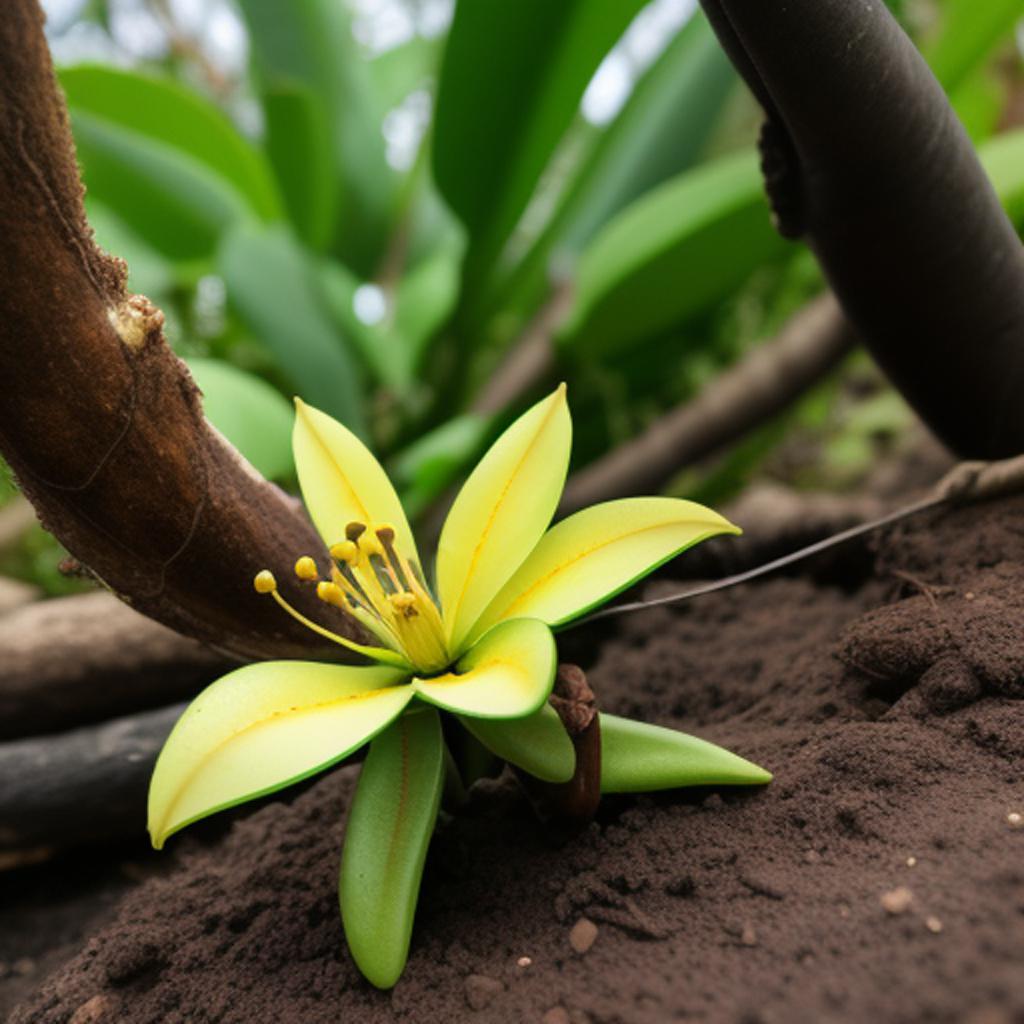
(264, 727)
(507, 674)
(501, 512)
(341, 480)
(593, 555)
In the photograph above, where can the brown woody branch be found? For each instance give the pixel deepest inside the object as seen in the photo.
(101, 423)
(758, 387)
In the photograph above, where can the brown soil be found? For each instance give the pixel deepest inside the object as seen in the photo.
(879, 878)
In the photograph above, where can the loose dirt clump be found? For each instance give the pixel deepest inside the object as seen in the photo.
(880, 877)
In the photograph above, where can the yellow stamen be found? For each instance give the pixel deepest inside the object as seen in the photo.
(305, 569)
(265, 582)
(345, 551)
(331, 593)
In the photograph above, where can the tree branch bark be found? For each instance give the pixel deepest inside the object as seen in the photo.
(101, 423)
(760, 385)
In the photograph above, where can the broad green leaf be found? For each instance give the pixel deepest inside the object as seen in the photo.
(671, 254)
(271, 285)
(636, 758)
(595, 554)
(425, 297)
(264, 727)
(386, 840)
(511, 83)
(163, 110)
(979, 103)
(968, 32)
(1003, 160)
(172, 200)
(309, 44)
(425, 469)
(507, 674)
(501, 512)
(301, 154)
(538, 743)
(342, 482)
(149, 273)
(661, 131)
(403, 69)
(249, 413)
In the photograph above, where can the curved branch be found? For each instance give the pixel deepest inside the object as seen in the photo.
(100, 422)
(863, 153)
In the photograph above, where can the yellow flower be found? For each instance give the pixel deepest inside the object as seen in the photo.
(479, 644)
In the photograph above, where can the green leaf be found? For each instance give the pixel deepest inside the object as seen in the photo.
(254, 417)
(673, 253)
(969, 32)
(301, 154)
(308, 44)
(163, 110)
(270, 283)
(431, 464)
(660, 132)
(636, 758)
(1003, 160)
(172, 200)
(386, 839)
(511, 82)
(148, 272)
(538, 743)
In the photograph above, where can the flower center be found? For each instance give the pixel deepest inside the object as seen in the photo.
(384, 591)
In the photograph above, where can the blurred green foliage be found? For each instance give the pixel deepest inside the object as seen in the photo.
(295, 252)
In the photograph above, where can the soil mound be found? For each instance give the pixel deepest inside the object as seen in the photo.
(880, 877)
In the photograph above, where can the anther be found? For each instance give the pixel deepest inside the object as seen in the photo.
(265, 582)
(345, 551)
(404, 603)
(354, 531)
(305, 568)
(330, 593)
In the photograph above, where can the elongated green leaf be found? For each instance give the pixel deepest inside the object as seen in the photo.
(1003, 159)
(271, 285)
(538, 743)
(174, 201)
(660, 132)
(511, 82)
(309, 44)
(263, 727)
(386, 840)
(254, 417)
(968, 32)
(671, 254)
(636, 758)
(303, 159)
(162, 109)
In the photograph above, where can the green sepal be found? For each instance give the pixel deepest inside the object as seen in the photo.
(386, 839)
(636, 758)
(537, 743)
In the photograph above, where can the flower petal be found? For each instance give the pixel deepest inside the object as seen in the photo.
(593, 555)
(501, 512)
(263, 727)
(637, 758)
(507, 674)
(538, 743)
(341, 480)
(386, 839)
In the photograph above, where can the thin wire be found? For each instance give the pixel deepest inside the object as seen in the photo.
(762, 570)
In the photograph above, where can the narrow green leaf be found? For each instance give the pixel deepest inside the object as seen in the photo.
(673, 253)
(309, 44)
(386, 839)
(172, 200)
(636, 758)
(538, 743)
(511, 82)
(254, 417)
(270, 283)
(301, 154)
(164, 110)
(968, 33)
(1003, 160)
